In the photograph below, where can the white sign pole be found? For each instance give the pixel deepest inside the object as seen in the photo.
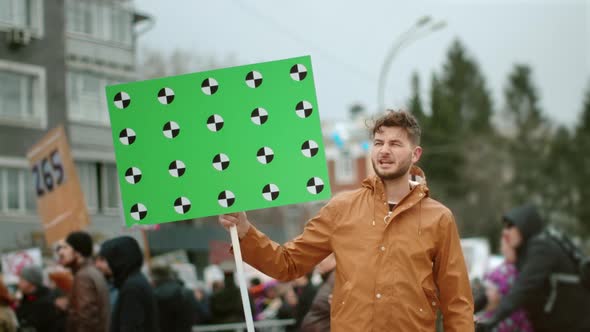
(241, 278)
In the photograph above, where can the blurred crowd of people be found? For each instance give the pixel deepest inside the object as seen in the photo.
(297, 300)
(107, 291)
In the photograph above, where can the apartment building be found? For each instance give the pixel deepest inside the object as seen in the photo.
(56, 56)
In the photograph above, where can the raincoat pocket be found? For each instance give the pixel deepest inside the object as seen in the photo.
(339, 298)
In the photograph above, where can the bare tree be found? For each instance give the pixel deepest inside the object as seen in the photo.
(155, 63)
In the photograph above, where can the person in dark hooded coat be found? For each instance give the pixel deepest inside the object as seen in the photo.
(550, 307)
(136, 307)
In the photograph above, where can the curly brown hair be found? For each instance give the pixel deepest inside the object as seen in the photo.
(402, 119)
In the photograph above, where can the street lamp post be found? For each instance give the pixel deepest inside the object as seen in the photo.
(414, 33)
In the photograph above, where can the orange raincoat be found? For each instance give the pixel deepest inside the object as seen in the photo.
(392, 274)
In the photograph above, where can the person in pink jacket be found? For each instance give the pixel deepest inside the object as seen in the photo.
(497, 284)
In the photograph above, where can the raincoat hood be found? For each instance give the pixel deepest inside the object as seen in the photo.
(124, 257)
(374, 182)
(527, 219)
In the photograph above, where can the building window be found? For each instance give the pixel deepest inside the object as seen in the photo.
(345, 168)
(30, 194)
(16, 95)
(121, 23)
(22, 95)
(86, 96)
(22, 14)
(88, 175)
(108, 21)
(111, 196)
(100, 185)
(13, 178)
(16, 191)
(78, 18)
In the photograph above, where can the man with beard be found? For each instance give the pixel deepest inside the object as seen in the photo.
(88, 305)
(136, 307)
(398, 253)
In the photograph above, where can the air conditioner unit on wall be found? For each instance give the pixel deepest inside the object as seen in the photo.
(18, 37)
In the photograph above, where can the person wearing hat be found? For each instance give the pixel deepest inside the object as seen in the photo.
(36, 309)
(89, 305)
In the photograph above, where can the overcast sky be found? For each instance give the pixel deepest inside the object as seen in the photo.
(348, 41)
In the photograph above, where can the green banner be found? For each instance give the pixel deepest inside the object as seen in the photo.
(218, 141)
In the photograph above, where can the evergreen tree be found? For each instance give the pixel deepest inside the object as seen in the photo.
(559, 193)
(460, 158)
(468, 99)
(529, 142)
(442, 157)
(415, 102)
(582, 167)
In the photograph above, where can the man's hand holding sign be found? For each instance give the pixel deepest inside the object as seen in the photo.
(238, 219)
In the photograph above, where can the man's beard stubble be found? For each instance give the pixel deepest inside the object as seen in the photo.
(395, 175)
